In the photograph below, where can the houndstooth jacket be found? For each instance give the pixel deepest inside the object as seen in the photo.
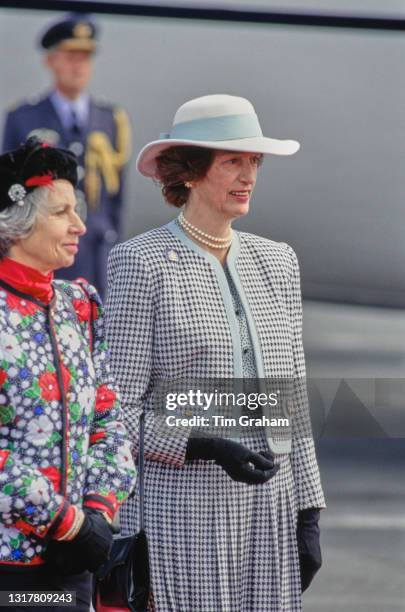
(170, 315)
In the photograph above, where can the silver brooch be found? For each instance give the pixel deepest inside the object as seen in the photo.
(17, 193)
(172, 255)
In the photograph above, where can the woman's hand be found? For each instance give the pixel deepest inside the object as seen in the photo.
(309, 548)
(242, 464)
(88, 550)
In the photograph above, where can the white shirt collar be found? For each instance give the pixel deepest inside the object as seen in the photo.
(64, 107)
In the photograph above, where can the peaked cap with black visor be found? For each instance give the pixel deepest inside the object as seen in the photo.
(74, 32)
(34, 164)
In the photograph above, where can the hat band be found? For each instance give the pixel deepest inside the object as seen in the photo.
(226, 127)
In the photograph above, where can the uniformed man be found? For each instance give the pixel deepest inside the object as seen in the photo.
(97, 132)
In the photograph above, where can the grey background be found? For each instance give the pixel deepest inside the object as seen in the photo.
(339, 203)
(339, 92)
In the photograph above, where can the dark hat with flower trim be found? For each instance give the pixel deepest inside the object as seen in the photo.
(75, 32)
(34, 164)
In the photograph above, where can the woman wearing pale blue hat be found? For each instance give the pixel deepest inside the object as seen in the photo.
(232, 523)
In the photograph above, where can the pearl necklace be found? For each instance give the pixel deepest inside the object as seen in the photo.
(212, 241)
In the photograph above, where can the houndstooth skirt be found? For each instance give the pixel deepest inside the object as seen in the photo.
(217, 545)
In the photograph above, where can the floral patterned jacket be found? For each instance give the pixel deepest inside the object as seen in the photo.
(62, 441)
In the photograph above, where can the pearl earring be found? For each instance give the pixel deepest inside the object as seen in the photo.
(188, 184)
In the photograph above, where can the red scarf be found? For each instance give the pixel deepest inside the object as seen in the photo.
(27, 279)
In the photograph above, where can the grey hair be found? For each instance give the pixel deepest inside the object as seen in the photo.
(18, 221)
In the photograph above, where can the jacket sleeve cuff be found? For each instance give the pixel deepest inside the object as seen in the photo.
(163, 446)
(106, 504)
(65, 523)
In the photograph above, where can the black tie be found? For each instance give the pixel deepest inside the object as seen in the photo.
(74, 126)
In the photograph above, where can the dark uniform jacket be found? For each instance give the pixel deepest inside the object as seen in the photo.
(102, 148)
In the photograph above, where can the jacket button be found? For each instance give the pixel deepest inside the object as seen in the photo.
(41, 529)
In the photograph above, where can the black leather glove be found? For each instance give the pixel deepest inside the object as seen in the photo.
(242, 464)
(87, 551)
(309, 548)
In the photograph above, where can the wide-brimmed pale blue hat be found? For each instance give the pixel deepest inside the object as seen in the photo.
(222, 122)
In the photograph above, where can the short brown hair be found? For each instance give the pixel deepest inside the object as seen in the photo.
(177, 165)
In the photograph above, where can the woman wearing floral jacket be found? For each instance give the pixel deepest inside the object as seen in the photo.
(65, 462)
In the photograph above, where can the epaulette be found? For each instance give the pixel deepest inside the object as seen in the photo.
(103, 102)
(31, 100)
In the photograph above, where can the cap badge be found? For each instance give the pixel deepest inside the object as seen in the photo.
(17, 193)
(82, 30)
